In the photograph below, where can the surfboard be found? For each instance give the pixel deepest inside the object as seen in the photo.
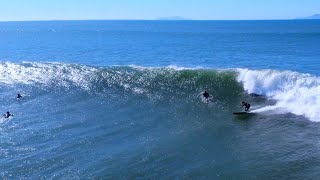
(242, 113)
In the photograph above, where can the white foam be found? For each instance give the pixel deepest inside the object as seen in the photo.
(45, 74)
(174, 67)
(294, 92)
(180, 68)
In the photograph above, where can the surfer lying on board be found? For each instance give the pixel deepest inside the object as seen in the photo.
(246, 106)
(206, 95)
(7, 115)
(19, 96)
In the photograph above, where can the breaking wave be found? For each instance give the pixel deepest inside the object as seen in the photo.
(293, 92)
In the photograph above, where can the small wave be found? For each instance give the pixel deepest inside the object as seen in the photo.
(294, 92)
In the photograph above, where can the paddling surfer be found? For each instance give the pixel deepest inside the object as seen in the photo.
(19, 96)
(7, 115)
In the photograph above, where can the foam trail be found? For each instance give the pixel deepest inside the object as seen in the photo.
(294, 92)
(269, 109)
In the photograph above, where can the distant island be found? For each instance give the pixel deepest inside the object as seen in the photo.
(172, 18)
(316, 16)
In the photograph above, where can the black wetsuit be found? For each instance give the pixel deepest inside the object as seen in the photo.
(246, 106)
(206, 95)
(7, 115)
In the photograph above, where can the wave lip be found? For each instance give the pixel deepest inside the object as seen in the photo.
(294, 92)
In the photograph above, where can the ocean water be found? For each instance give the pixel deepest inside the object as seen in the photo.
(123, 99)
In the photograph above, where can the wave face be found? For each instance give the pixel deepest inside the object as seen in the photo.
(138, 80)
(293, 92)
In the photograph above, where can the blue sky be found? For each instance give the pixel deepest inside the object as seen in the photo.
(15, 10)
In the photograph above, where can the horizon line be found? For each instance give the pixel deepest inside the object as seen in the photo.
(152, 20)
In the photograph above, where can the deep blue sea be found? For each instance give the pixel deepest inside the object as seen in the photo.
(123, 99)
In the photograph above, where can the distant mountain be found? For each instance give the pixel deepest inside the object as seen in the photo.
(172, 18)
(316, 16)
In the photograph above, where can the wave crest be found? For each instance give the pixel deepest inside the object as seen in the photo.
(47, 74)
(294, 92)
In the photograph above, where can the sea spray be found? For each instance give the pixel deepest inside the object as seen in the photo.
(294, 92)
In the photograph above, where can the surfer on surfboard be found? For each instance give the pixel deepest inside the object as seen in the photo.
(206, 95)
(246, 106)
